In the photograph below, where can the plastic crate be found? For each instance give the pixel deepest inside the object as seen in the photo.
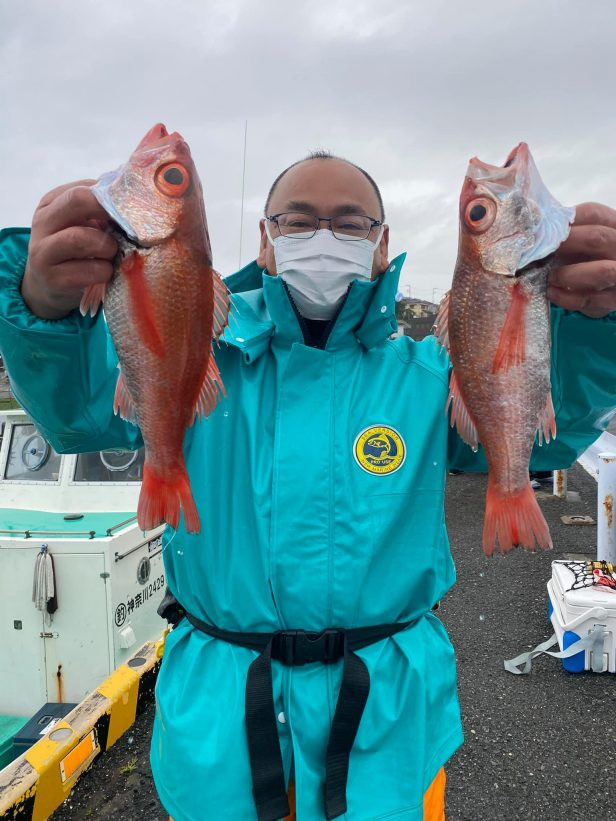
(40, 723)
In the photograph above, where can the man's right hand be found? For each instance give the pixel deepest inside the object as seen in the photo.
(68, 250)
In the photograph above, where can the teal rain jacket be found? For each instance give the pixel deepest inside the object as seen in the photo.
(296, 533)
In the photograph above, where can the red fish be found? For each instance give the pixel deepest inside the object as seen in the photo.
(496, 323)
(164, 305)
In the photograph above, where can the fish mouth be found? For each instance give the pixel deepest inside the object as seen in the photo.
(519, 175)
(158, 137)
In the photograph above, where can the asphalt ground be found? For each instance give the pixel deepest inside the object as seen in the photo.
(541, 746)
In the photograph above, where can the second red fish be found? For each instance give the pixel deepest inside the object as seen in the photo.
(495, 322)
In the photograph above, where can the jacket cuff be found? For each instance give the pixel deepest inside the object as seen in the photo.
(13, 310)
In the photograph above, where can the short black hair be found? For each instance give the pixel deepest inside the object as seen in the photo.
(325, 155)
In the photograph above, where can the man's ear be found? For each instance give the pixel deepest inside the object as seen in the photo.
(381, 255)
(262, 245)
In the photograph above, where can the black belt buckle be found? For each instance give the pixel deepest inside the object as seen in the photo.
(298, 647)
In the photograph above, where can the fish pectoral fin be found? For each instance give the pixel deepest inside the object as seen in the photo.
(123, 401)
(460, 417)
(211, 390)
(546, 429)
(511, 349)
(92, 299)
(222, 303)
(441, 325)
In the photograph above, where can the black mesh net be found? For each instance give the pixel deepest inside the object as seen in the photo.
(591, 574)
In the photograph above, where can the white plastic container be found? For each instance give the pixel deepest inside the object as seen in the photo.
(576, 613)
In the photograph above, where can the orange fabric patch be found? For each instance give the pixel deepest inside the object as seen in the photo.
(292, 816)
(434, 798)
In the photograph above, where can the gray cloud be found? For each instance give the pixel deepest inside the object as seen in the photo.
(408, 90)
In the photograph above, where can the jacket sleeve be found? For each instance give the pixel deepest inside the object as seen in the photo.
(63, 372)
(583, 375)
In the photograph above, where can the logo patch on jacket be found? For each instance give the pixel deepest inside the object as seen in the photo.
(379, 449)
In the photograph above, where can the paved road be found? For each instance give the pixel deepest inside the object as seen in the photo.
(537, 747)
(541, 746)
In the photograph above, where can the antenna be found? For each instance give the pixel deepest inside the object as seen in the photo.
(239, 262)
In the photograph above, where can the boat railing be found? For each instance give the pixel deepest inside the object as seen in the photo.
(28, 534)
(111, 529)
(91, 534)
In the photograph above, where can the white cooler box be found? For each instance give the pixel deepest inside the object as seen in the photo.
(575, 613)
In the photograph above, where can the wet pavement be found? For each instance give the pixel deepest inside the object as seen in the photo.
(537, 747)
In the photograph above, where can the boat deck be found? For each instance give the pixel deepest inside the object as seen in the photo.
(39, 522)
(538, 746)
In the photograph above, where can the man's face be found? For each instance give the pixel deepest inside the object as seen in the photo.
(326, 188)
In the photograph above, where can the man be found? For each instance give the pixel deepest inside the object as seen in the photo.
(320, 485)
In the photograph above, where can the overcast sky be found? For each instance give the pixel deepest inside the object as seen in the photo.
(408, 90)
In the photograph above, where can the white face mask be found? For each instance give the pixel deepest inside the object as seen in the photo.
(318, 270)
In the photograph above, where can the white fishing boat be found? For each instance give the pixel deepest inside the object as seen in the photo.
(68, 526)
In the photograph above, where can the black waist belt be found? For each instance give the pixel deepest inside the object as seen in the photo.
(297, 647)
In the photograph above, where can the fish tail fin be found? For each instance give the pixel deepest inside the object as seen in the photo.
(514, 519)
(161, 498)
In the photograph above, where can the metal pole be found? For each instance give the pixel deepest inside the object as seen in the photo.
(239, 263)
(560, 484)
(606, 518)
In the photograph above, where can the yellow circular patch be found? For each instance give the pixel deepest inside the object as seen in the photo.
(379, 449)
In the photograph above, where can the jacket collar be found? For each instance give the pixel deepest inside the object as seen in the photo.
(262, 313)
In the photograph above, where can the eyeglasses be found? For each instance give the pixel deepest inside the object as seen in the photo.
(296, 225)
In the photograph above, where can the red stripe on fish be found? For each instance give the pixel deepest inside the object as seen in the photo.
(142, 305)
(511, 348)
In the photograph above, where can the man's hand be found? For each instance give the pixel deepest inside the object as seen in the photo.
(68, 250)
(585, 279)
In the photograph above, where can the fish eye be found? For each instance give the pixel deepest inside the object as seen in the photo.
(479, 214)
(172, 179)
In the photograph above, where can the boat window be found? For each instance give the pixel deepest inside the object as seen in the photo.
(31, 457)
(110, 466)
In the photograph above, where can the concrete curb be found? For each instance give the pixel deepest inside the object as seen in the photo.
(34, 785)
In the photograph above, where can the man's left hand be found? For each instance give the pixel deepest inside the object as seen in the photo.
(585, 277)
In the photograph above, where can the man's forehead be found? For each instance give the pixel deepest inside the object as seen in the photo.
(326, 181)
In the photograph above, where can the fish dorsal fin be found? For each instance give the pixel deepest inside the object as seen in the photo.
(511, 349)
(211, 390)
(441, 325)
(222, 303)
(460, 417)
(123, 401)
(92, 298)
(546, 429)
